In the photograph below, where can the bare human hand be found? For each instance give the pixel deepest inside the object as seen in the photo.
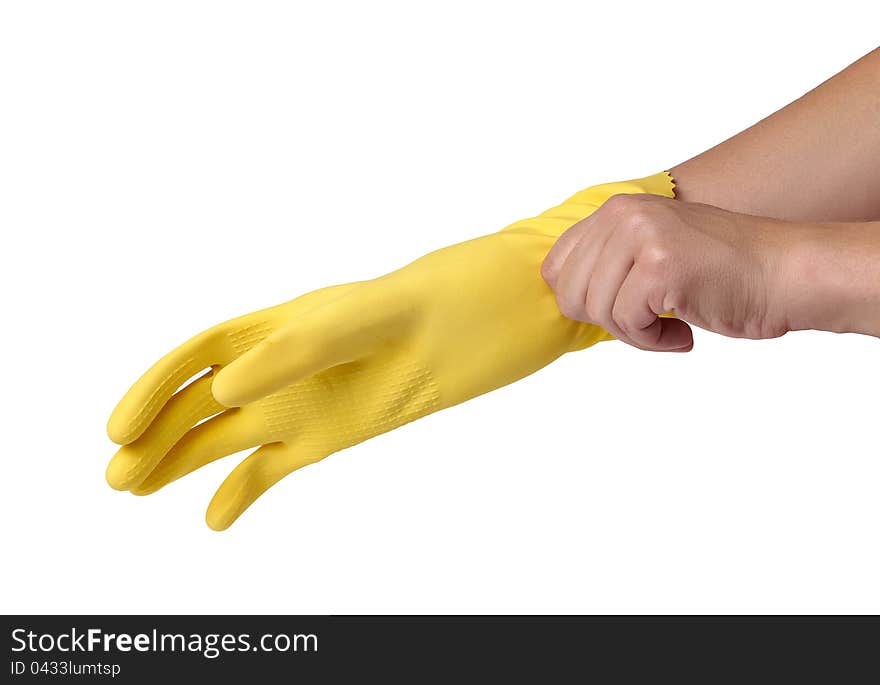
(641, 256)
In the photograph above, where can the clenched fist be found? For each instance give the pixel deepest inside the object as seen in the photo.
(641, 256)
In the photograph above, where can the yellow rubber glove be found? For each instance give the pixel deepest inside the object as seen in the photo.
(343, 364)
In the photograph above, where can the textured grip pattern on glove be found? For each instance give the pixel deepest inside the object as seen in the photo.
(349, 404)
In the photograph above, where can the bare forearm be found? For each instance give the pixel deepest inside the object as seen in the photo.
(832, 277)
(818, 159)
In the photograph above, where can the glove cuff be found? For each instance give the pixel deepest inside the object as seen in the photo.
(556, 221)
(657, 184)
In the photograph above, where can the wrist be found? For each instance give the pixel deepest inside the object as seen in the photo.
(830, 277)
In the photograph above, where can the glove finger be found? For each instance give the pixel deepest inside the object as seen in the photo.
(140, 405)
(228, 433)
(251, 478)
(341, 331)
(133, 462)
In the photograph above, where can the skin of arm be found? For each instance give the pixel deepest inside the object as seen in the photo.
(773, 230)
(817, 159)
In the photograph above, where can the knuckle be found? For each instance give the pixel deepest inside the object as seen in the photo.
(656, 258)
(592, 310)
(647, 226)
(642, 220)
(638, 214)
(621, 203)
(620, 320)
(569, 308)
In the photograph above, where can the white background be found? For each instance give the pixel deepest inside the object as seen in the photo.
(167, 165)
